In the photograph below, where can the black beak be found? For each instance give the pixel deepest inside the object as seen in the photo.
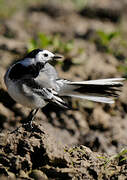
(57, 57)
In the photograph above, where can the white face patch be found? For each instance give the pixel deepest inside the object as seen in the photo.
(44, 56)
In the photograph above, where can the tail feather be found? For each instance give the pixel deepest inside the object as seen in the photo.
(93, 98)
(111, 81)
(103, 90)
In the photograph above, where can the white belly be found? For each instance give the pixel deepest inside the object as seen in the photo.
(27, 99)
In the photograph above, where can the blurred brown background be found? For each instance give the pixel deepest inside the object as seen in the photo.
(92, 36)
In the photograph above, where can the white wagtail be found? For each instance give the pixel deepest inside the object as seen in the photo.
(33, 82)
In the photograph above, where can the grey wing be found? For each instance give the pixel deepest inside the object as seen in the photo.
(51, 96)
(48, 94)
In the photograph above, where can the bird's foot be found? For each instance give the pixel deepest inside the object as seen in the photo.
(28, 123)
(28, 126)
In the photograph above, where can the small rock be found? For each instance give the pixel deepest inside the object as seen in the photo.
(38, 175)
(23, 175)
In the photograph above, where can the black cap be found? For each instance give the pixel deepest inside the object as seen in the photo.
(33, 53)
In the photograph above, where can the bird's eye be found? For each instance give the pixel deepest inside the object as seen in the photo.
(45, 55)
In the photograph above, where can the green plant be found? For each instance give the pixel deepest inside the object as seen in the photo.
(79, 4)
(121, 156)
(47, 41)
(9, 7)
(123, 68)
(104, 39)
(107, 37)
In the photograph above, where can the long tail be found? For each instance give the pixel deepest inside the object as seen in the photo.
(103, 90)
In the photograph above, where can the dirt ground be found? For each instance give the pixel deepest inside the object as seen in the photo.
(89, 142)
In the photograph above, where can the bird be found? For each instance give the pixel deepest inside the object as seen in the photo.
(34, 82)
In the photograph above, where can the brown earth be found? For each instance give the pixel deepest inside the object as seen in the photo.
(76, 144)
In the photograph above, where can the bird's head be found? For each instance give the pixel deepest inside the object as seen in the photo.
(42, 56)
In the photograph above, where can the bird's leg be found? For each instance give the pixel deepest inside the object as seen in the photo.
(29, 120)
(31, 117)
